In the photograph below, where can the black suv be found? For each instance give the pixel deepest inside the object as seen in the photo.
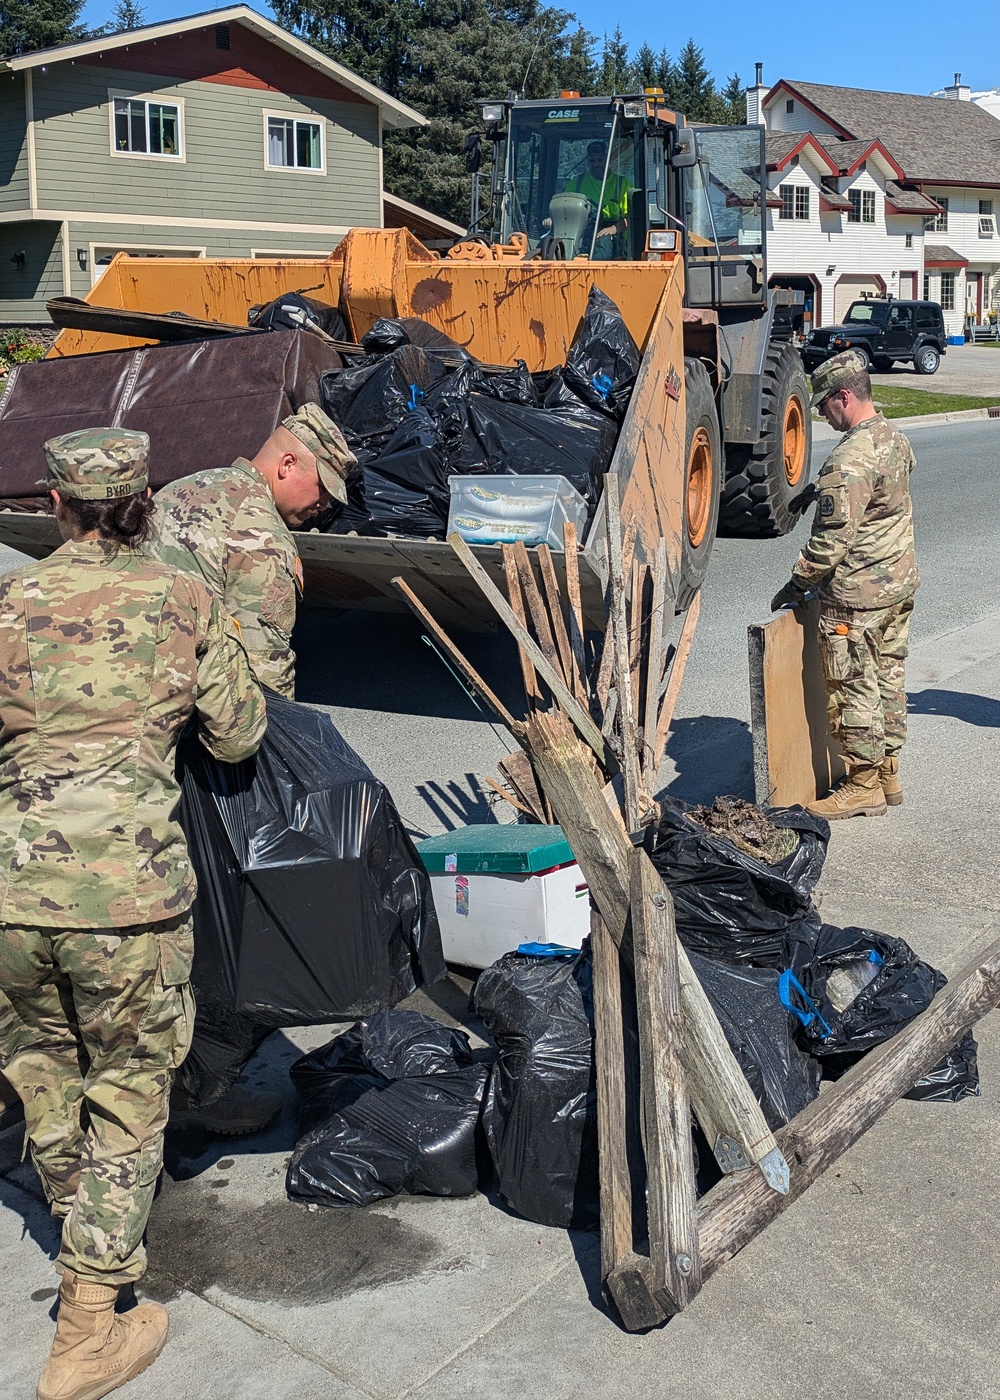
(885, 331)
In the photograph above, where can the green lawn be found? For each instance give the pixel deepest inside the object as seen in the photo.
(909, 403)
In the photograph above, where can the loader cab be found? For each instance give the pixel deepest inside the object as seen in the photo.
(624, 179)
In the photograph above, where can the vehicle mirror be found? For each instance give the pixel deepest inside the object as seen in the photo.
(685, 151)
(473, 151)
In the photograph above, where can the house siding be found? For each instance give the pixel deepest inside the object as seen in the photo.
(809, 247)
(222, 175)
(24, 291)
(803, 118)
(13, 145)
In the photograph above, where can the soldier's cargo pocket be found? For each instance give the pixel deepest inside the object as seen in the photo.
(168, 1025)
(842, 651)
(137, 1178)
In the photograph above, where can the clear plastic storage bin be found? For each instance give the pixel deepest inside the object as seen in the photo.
(503, 509)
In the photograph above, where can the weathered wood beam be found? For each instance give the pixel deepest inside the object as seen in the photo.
(674, 684)
(576, 629)
(620, 661)
(670, 1172)
(532, 690)
(719, 1091)
(572, 707)
(736, 1210)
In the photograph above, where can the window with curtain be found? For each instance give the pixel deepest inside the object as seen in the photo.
(294, 144)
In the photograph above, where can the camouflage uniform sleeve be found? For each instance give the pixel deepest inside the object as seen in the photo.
(231, 712)
(844, 487)
(261, 592)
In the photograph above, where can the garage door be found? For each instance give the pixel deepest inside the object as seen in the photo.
(850, 289)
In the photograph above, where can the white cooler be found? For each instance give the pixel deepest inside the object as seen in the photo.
(496, 887)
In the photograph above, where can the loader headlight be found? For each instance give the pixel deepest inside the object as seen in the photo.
(663, 240)
(492, 112)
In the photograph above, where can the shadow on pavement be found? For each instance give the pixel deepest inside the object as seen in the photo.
(980, 710)
(712, 755)
(377, 661)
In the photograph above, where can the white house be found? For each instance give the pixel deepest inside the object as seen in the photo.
(881, 193)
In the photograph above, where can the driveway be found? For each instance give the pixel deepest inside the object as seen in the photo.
(965, 369)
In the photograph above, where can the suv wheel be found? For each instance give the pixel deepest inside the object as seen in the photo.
(926, 360)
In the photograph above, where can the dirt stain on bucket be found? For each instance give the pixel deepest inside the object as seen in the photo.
(275, 1251)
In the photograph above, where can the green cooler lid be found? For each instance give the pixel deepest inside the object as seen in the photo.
(495, 849)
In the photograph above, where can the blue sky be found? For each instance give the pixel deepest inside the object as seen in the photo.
(902, 45)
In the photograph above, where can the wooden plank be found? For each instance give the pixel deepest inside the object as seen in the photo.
(574, 710)
(465, 667)
(736, 1210)
(717, 1086)
(553, 599)
(532, 690)
(654, 665)
(576, 628)
(677, 666)
(516, 769)
(509, 797)
(620, 658)
(670, 1172)
(796, 758)
(536, 607)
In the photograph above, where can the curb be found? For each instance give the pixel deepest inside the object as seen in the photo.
(822, 432)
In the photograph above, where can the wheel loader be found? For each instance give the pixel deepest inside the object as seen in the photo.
(616, 192)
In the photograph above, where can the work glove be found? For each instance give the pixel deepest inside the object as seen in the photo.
(804, 499)
(788, 597)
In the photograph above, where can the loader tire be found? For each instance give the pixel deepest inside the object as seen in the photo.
(702, 481)
(762, 478)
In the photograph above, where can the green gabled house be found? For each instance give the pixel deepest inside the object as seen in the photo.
(217, 135)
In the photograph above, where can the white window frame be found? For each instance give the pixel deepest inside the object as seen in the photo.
(313, 119)
(289, 252)
(159, 250)
(866, 201)
(116, 93)
(938, 223)
(987, 225)
(948, 275)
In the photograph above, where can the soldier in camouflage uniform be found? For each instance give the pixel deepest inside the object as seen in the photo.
(231, 524)
(861, 559)
(105, 655)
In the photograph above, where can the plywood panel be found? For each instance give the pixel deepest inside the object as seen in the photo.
(795, 758)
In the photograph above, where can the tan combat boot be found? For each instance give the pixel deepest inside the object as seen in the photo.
(888, 776)
(859, 794)
(95, 1350)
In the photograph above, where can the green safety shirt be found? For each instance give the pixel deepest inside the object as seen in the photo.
(616, 192)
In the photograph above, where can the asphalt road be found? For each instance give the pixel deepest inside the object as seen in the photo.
(964, 369)
(878, 1285)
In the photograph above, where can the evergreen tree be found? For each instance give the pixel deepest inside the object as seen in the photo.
(691, 89)
(26, 25)
(615, 70)
(127, 15)
(734, 96)
(652, 69)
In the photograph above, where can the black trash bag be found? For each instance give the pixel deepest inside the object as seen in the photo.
(603, 360)
(397, 509)
(391, 1106)
(514, 385)
(224, 1042)
(727, 904)
(761, 1034)
(517, 440)
(540, 1113)
(954, 1079)
(863, 987)
(384, 337)
(312, 904)
(293, 311)
(370, 400)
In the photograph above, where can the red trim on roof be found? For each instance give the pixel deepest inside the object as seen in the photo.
(808, 139)
(946, 262)
(783, 84)
(877, 146)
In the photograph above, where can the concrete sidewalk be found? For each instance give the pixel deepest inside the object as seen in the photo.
(877, 1285)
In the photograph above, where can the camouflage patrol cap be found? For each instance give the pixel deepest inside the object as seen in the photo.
(828, 377)
(326, 442)
(98, 464)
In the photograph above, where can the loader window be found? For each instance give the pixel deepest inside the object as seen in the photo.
(570, 181)
(725, 193)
